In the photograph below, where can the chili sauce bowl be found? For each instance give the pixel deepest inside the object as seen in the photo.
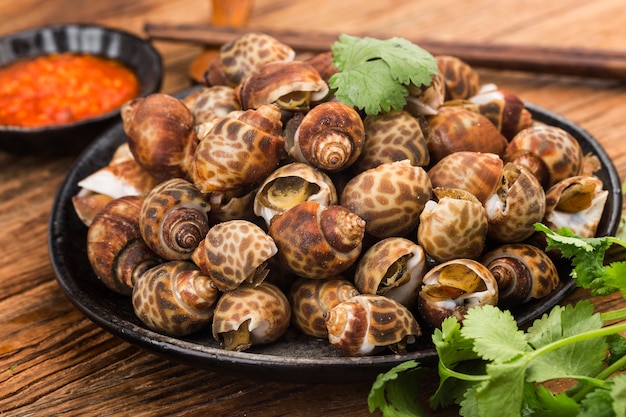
(131, 51)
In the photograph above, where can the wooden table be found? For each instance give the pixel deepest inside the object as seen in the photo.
(54, 361)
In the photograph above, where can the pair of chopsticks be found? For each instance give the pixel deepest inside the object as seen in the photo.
(550, 60)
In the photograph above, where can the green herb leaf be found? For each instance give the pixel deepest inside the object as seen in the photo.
(544, 403)
(585, 357)
(597, 403)
(495, 333)
(502, 394)
(618, 393)
(374, 74)
(587, 257)
(394, 392)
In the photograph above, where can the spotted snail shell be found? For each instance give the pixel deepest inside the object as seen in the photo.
(391, 137)
(234, 252)
(456, 128)
(238, 151)
(251, 315)
(291, 85)
(173, 219)
(393, 267)
(461, 80)
(160, 134)
(368, 323)
(244, 55)
(174, 298)
(523, 272)
(330, 137)
(311, 299)
(389, 197)
(454, 226)
(504, 109)
(475, 172)
(209, 103)
(289, 185)
(516, 205)
(453, 287)
(576, 202)
(549, 152)
(318, 242)
(122, 176)
(115, 249)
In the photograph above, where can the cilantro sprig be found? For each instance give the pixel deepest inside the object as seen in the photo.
(488, 366)
(374, 74)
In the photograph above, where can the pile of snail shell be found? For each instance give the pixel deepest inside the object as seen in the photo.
(259, 203)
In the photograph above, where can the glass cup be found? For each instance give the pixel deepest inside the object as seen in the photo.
(230, 12)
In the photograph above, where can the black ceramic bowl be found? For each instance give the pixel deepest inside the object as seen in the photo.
(136, 53)
(294, 358)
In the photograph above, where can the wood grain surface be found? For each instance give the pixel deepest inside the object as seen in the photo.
(54, 361)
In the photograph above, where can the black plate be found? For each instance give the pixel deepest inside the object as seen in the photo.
(137, 54)
(294, 358)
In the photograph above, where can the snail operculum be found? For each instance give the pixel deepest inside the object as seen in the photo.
(251, 315)
(452, 287)
(290, 185)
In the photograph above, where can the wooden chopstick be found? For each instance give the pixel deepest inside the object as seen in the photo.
(539, 59)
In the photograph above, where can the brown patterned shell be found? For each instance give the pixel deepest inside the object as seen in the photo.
(310, 300)
(173, 219)
(251, 315)
(389, 197)
(391, 137)
(426, 100)
(549, 152)
(122, 176)
(235, 252)
(453, 227)
(238, 151)
(453, 287)
(393, 267)
(291, 85)
(366, 324)
(576, 202)
(523, 272)
(289, 185)
(517, 204)
(504, 109)
(476, 172)
(174, 298)
(115, 248)
(330, 137)
(160, 134)
(461, 81)
(318, 242)
(455, 128)
(242, 56)
(209, 103)
(230, 205)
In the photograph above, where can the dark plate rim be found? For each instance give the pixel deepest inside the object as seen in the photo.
(63, 221)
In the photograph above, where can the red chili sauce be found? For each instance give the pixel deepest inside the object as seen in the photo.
(62, 88)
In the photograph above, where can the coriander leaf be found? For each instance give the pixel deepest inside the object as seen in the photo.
(495, 333)
(374, 74)
(617, 347)
(541, 402)
(597, 403)
(581, 358)
(393, 392)
(618, 392)
(502, 394)
(453, 349)
(587, 257)
(616, 276)
(369, 88)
